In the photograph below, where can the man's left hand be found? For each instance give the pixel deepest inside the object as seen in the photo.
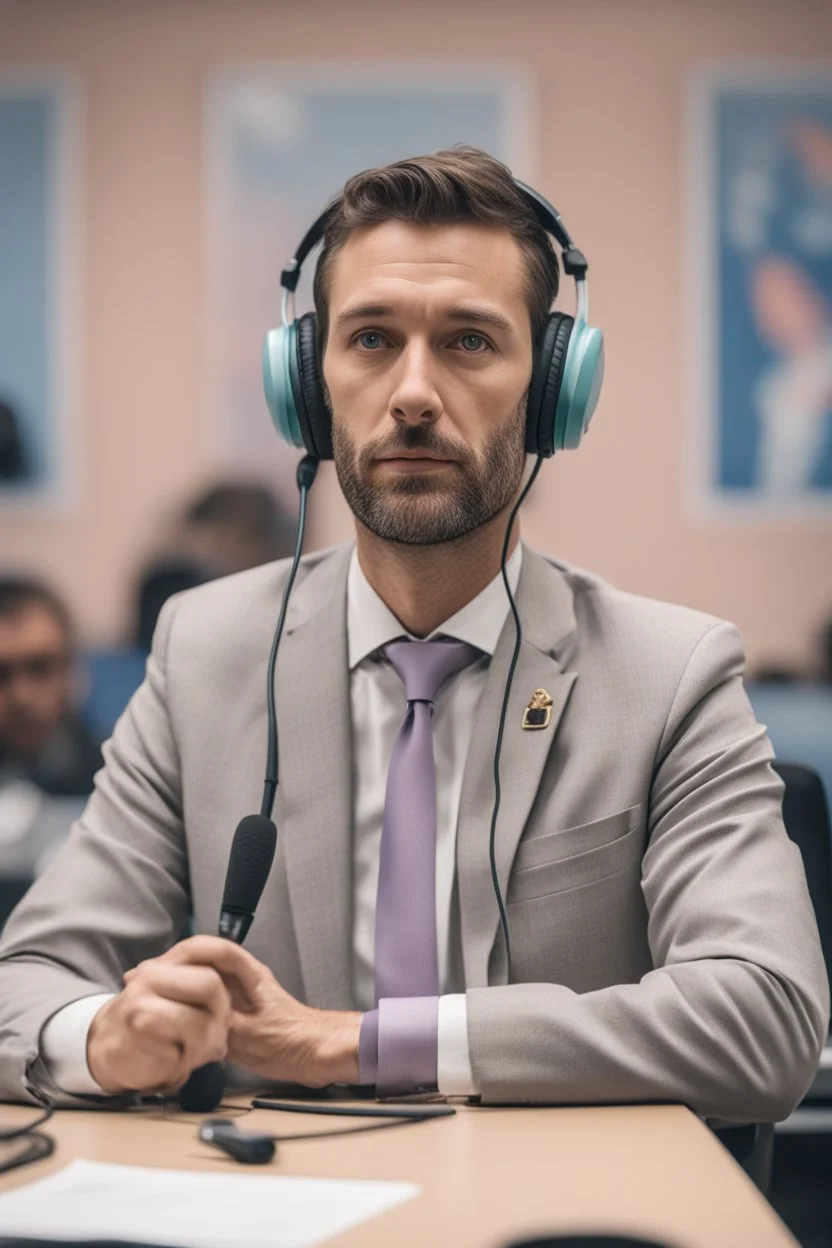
(271, 1033)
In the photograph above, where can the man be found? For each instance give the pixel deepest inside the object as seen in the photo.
(41, 739)
(663, 945)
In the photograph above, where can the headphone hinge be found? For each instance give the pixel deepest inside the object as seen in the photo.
(575, 263)
(290, 276)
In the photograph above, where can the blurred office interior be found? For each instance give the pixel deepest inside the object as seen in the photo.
(158, 163)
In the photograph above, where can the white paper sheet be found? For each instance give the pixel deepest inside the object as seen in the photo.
(91, 1199)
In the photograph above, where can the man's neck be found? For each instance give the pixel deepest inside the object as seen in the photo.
(425, 585)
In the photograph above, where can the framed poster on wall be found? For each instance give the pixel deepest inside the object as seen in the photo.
(281, 141)
(38, 288)
(759, 290)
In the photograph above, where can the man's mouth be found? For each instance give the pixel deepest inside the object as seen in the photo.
(415, 459)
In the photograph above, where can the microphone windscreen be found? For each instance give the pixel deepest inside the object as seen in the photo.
(252, 854)
(204, 1090)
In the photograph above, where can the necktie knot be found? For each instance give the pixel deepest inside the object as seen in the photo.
(425, 666)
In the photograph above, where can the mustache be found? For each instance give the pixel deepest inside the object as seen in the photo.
(416, 438)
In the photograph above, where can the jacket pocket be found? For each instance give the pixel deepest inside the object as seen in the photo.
(537, 851)
(550, 871)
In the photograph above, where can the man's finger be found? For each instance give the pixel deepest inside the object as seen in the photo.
(200, 986)
(229, 959)
(180, 1034)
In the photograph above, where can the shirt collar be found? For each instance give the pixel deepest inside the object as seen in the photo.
(371, 624)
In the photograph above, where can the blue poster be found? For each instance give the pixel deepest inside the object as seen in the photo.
(281, 142)
(35, 245)
(766, 202)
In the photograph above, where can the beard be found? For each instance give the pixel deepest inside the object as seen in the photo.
(423, 509)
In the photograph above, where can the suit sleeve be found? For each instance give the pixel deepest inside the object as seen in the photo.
(115, 894)
(734, 1016)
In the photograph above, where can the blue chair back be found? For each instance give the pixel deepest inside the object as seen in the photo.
(114, 676)
(799, 722)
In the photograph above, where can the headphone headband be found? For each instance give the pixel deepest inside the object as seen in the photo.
(574, 262)
(291, 273)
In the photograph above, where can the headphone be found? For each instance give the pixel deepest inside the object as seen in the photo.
(566, 376)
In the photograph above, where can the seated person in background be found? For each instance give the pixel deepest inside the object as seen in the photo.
(663, 945)
(226, 528)
(232, 526)
(41, 738)
(159, 581)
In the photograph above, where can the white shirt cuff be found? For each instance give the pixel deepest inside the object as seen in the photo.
(63, 1046)
(454, 1076)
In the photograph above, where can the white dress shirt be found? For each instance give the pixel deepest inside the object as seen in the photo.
(377, 707)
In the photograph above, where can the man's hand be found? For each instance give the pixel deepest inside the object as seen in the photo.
(168, 1019)
(269, 1032)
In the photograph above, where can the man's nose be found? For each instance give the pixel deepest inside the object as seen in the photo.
(415, 399)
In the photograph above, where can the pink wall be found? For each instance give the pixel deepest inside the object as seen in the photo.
(609, 79)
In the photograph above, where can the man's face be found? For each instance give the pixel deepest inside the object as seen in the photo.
(427, 363)
(34, 679)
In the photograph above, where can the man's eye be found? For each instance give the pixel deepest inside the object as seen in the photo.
(474, 344)
(370, 339)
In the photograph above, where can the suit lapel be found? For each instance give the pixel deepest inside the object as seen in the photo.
(314, 806)
(545, 605)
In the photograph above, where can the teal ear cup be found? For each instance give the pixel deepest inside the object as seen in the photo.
(580, 387)
(277, 383)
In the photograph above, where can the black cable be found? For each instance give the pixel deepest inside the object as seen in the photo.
(40, 1145)
(47, 1108)
(373, 1126)
(307, 468)
(258, 1148)
(498, 747)
(39, 1148)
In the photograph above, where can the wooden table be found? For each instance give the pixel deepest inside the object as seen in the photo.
(488, 1176)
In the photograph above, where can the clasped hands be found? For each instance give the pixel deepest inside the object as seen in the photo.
(206, 1000)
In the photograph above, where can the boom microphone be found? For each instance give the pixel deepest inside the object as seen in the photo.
(252, 854)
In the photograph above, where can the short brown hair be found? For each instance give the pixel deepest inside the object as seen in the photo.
(458, 184)
(19, 594)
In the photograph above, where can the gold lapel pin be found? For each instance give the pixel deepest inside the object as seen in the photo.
(538, 714)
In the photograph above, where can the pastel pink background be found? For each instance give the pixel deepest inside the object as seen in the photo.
(608, 146)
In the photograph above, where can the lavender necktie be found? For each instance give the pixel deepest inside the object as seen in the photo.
(406, 960)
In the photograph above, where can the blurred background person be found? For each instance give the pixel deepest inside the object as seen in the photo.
(48, 757)
(225, 528)
(231, 526)
(42, 738)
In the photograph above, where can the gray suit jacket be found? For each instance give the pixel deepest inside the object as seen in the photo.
(663, 942)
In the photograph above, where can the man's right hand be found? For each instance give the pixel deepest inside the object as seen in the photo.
(167, 1021)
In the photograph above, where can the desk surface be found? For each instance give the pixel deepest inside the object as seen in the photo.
(488, 1176)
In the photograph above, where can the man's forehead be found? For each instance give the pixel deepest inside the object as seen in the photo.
(33, 622)
(482, 258)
